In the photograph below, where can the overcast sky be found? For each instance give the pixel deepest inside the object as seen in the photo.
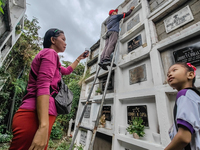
(79, 19)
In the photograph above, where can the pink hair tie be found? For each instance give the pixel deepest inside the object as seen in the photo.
(190, 65)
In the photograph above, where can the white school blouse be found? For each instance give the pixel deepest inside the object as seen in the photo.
(188, 115)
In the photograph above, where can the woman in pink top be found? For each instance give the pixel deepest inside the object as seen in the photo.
(33, 122)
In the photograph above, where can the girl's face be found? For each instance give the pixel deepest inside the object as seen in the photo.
(177, 77)
(59, 43)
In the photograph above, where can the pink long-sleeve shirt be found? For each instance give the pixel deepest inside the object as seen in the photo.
(46, 67)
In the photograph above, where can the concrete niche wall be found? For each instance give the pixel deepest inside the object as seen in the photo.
(87, 91)
(127, 146)
(132, 22)
(109, 115)
(154, 4)
(86, 120)
(194, 6)
(133, 78)
(139, 41)
(152, 128)
(168, 59)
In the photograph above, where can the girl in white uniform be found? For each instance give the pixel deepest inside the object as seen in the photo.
(185, 132)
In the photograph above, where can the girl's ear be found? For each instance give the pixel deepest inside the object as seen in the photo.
(190, 75)
(52, 40)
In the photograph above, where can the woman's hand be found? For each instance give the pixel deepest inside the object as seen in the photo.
(83, 55)
(40, 139)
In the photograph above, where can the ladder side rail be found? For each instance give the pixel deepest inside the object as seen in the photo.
(83, 111)
(104, 94)
(102, 101)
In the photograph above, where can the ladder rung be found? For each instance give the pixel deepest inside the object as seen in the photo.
(94, 102)
(82, 127)
(100, 82)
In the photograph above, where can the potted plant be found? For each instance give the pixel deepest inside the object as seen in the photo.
(136, 128)
(99, 91)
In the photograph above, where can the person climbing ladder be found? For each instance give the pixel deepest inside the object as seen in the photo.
(112, 24)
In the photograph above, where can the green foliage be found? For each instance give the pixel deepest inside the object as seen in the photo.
(76, 89)
(76, 74)
(56, 132)
(63, 146)
(20, 86)
(2, 4)
(3, 74)
(2, 128)
(24, 50)
(16, 68)
(98, 90)
(136, 127)
(79, 147)
(5, 147)
(1, 10)
(5, 137)
(51, 144)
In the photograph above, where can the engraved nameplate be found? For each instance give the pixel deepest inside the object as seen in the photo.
(137, 111)
(134, 43)
(178, 19)
(83, 137)
(107, 111)
(133, 22)
(190, 54)
(87, 111)
(137, 74)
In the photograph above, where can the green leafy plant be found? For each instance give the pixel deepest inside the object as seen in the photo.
(56, 132)
(5, 146)
(52, 144)
(5, 137)
(2, 127)
(63, 146)
(79, 147)
(136, 127)
(15, 69)
(1, 7)
(98, 91)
